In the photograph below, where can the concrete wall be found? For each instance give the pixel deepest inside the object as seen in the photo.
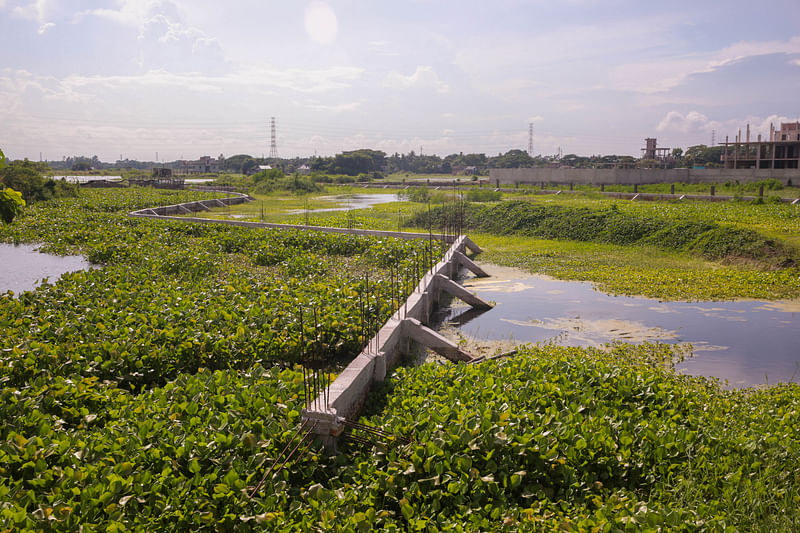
(346, 395)
(631, 176)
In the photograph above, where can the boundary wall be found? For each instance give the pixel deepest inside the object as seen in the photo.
(640, 176)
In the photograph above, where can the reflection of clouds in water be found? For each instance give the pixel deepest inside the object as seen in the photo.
(498, 286)
(718, 313)
(703, 346)
(662, 309)
(598, 332)
(555, 291)
(784, 306)
(632, 305)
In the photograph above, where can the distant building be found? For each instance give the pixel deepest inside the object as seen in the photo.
(651, 150)
(162, 172)
(782, 150)
(303, 169)
(204, 165)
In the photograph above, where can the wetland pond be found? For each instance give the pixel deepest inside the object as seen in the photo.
(743, 342)
(350, 201)
(22, 268)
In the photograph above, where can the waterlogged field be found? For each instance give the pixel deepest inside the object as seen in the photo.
(697, 251)
(154, 393)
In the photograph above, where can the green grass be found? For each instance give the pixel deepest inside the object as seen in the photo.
(639, 270)
(661, 267)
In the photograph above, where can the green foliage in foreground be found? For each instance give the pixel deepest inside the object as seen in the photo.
(173, 297)
(555, 437)
(705, 239)
(11, 204)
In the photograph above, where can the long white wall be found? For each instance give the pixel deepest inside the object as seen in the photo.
(632, 176)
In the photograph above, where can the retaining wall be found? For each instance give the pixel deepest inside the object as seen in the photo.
(345, 396)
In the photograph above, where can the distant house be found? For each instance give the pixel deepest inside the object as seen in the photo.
(303, 169)
(204, 165)
(258, 168)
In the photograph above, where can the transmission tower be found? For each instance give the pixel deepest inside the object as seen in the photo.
(273, 145)
(530, 139)
(713, 137)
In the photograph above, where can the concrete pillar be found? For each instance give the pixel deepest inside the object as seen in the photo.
(456, 290)
(462, 260)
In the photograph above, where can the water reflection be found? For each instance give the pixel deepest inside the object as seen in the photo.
(23, 267)
(743, 342)
(349, 201)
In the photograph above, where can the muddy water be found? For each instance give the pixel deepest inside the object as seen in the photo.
(22, 268)
(744, 342)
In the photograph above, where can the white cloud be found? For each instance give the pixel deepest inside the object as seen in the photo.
(332, 108)
(662, 75)
(46, 27)
(694, 122)
(423, 77)
(34, 10)
(691, 122)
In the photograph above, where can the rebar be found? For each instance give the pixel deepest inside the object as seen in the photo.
(299, 429)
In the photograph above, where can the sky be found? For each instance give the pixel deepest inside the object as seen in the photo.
(179, 79)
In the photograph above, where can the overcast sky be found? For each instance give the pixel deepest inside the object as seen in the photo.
(186, 78)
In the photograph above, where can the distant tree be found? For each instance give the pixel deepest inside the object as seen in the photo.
(512, 159)
(26, 178)
(357, 162)
(81, 166)
(703, 155)
(247, 165)
(677, 153)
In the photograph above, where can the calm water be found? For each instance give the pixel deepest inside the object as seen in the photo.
(350, 201)
(87, 179)
(22, 268)
(743, 342)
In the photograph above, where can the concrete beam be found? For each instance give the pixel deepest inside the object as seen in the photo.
(467, 263)
(456, 290)
(471, 245)
(432, 340)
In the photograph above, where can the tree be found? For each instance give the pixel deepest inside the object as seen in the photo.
(26, 178)
(11, 204)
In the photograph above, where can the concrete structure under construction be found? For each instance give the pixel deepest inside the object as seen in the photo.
(204, 165)
(781, 151)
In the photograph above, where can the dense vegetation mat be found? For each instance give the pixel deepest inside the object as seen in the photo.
(154, 393)
(706, 239)
(553, 438)
(172, 297)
